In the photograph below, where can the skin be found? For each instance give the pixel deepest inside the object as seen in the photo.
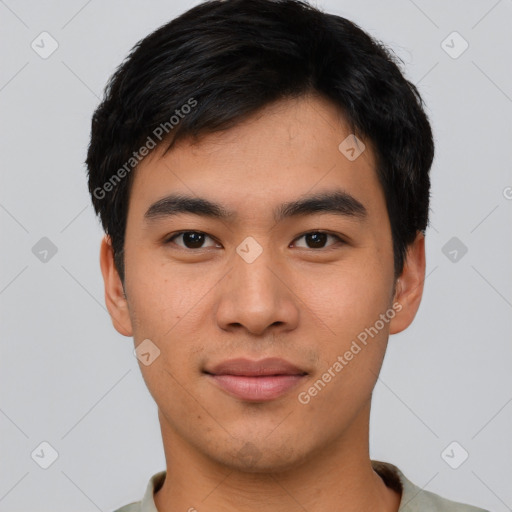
(297, 301)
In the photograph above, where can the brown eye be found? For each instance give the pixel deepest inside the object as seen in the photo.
(191, 239)
(318, 239)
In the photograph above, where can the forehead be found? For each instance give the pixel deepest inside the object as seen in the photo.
(290, 148)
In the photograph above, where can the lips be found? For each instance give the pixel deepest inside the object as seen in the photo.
(248, 368)
(262, 380)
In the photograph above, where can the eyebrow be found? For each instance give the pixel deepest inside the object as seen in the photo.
(335, 202)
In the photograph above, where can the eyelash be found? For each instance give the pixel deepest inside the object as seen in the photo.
(339, 240)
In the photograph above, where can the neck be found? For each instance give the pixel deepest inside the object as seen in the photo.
(339, 476)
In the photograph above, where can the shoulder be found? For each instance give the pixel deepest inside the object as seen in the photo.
(414, 498)
(147, 504)
(439, 504)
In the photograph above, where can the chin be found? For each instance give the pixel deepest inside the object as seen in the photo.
(254, 457)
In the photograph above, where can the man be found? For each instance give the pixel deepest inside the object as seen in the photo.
(261, 170)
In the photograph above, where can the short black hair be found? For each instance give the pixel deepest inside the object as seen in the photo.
(223, 60)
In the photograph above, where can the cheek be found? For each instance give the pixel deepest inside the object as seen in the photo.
(345, 299)
(169, 309)
(351, 341)
(161, 298)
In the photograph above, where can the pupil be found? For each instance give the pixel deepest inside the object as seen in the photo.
(193, 240)
(316, 239)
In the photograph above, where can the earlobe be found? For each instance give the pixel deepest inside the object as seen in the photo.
(115, 299)
(409, 286)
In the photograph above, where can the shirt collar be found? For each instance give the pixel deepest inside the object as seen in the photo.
(148, 501)
(389, 473)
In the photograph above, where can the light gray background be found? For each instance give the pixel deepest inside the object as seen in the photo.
(68, 378)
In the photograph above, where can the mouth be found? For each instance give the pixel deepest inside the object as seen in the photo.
(256, 381)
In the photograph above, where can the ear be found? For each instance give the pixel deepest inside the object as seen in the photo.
(409, 286)
(115, 298)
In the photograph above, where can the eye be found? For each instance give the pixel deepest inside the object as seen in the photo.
(191, 239)
(318, 239)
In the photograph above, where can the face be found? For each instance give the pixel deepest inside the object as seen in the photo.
(282, 250)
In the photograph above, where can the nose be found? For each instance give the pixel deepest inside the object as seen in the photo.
(257, 296)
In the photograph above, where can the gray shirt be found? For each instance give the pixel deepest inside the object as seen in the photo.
(414, 499)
